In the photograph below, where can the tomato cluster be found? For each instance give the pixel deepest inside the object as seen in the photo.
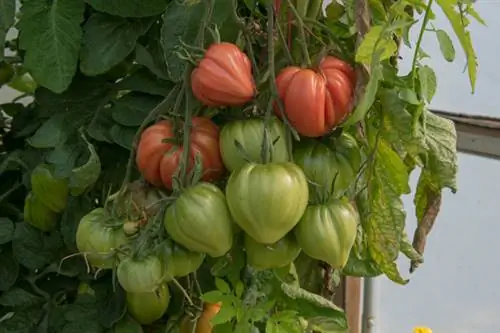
(282, 202)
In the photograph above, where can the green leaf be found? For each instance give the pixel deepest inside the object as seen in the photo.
(83, 326)
(222, 286)
(440, 141)
(84, 307)
(133, 108)
(446, 45)
(123, 136)
(129, 8)
(449, 8)
(9, 270)
(22, 321)
(68, 111)
(239, 289)
(98, 129)
(369, 95)
(376, 40)
(7, 12)
(472, 12)
(108, 40)
(428, 82)
(6, 230)
(34, 249)
(152, 59)
(213, 296)
(19, 298)
(145, 82)
(111, 304)
(51, 35)
(180, 24)
(226, 314)
(84, 176)
(310, 306)
(52, 133)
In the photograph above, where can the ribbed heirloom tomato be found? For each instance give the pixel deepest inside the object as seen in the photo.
(249, 133)
(140, 275)
(149, 306)
(315, 101)
(267, 200)
(200, 221)
(327, 232)
(330, 166)
(277, 255)
(98, 240)
(158, 161)
(223, 77)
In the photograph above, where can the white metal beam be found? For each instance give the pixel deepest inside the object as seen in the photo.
(477, 135)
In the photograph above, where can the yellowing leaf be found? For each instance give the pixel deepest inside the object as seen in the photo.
(373, 41)
(386, 220)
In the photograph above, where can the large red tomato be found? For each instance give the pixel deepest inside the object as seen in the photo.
(223, 77)
(316, 101)
(158, 160)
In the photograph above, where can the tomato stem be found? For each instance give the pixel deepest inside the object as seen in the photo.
(286, 44)
(274, 90)
(300, 26)
(248, 42)
(267, 145)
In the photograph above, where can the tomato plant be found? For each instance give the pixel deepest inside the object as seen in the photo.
(213, 166)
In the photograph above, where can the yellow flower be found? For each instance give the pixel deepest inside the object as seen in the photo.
(422, 330)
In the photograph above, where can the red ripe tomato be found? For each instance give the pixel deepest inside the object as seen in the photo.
(316, 101)
(158, 161)
(223, 77)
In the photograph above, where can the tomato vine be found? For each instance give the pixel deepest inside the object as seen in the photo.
(195, 166)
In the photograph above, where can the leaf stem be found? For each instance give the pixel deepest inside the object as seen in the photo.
(10, 191)
(184, 292)
(300, 26)
(419, 40)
